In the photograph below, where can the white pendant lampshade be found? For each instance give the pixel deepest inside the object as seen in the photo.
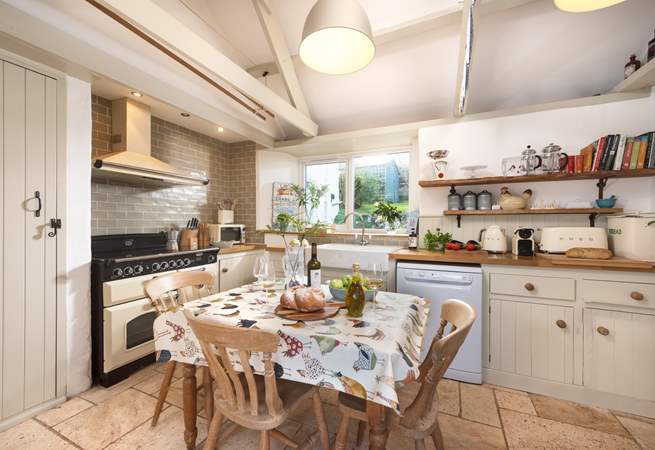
(337, 37)
(584, 5)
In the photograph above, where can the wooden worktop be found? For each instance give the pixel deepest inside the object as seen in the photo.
(508, 259)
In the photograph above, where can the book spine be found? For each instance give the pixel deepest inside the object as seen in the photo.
(636, 147)
(649, 151)
(599, 153)
(612, 153)
(627, 157)
(618, 160)
(642, 151)
(609, 143)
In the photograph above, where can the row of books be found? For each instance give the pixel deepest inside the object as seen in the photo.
(620, 152)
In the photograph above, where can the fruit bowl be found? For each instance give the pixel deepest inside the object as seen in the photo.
(340, 294)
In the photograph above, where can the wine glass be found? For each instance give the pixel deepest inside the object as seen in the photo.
(376, 281)
(260, 269)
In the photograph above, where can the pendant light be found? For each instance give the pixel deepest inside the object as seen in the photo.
(584, 5)
(337, 38)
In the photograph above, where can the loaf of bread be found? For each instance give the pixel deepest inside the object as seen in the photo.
(589, 253)
(303, 299)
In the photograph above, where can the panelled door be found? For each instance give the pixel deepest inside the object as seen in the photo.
(28, 303)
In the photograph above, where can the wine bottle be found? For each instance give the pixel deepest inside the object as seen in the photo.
(314, 269)
(355, 297)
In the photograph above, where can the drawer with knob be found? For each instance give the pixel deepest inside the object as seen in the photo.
(536, 286)
(621, 293)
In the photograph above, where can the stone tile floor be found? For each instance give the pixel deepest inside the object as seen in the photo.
(472, 417)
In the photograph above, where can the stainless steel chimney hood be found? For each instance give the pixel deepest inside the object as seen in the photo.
(131, 161)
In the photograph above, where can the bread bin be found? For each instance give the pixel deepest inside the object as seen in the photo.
(560, 239)
(632, 236)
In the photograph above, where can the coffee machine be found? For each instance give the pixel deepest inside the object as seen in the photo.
(523, 242)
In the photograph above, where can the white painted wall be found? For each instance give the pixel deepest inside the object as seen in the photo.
(271, 167)
(488, 141)
(78, 234)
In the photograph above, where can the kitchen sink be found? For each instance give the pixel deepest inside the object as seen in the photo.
(343, 256)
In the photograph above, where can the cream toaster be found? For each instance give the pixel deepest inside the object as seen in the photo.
(560, 239)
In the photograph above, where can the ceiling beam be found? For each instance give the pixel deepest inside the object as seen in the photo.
(470, 13)
(160, 24)
(280, 50)
(439, 19)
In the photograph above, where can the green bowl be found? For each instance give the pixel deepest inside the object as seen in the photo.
(606, 202)
(340, 294)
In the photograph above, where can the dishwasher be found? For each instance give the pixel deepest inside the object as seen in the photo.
(438, 283)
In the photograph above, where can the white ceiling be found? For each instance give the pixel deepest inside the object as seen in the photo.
(524, 55)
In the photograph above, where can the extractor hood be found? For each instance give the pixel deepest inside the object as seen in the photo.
(130, 159)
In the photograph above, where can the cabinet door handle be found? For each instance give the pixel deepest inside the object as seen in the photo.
(636, 296)
(224, 270)
(602, 330)
(560, 323)
(529, 287)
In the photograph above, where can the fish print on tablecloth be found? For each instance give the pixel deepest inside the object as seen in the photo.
(351, 386)
(326, 344)
(294, 345)
(367, 358)
(359, 323)
(229, 306)
(245, 323)
(408, 361)
(330, 331)
(299, 324)
(178, 331)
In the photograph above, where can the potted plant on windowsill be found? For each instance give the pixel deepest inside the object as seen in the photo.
(436, 241)
(389, 214)
(283, 221)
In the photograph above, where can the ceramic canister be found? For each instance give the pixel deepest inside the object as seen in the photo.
(454, 201)
(470, 200)
(484, 200)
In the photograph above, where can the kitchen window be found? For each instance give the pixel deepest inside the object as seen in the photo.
(357, 183)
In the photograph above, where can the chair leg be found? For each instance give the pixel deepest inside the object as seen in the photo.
(419, 444)
(286, 440)
(163, 390)
(264, 440)
(320, 419)
(437, 438)
(213, 432)
(342, 434)
(208, 391)
(361, 429)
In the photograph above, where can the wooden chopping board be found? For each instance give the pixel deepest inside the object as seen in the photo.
(614, 262)
(330, 310)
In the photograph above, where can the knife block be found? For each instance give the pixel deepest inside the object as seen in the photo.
(188, 239)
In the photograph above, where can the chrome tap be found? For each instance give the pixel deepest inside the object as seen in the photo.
(361, 218)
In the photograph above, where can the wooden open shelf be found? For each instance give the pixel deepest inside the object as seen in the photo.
(592, 212)
(540, 177)
(642, 78)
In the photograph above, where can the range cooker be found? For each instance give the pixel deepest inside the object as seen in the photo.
(121, 315)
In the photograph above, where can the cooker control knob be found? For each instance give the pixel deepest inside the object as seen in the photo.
(138, 269)
(211, 258)
(117, 272)
(179, 262)
(128, 271)
(163, 265)
(172, 264)
(187, 261)
(155, 267)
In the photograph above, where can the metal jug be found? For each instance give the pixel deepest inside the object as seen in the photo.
(530, 160)
(553, 159)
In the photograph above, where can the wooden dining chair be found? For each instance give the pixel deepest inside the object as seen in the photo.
(419, 415)
(168, 293)
(256, 402)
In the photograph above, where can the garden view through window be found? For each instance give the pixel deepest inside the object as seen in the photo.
(379, 178)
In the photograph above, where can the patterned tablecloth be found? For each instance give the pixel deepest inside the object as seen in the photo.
(365, 357)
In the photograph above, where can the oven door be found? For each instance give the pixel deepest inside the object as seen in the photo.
(128, 334)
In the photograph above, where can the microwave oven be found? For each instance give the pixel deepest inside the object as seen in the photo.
(227, 232)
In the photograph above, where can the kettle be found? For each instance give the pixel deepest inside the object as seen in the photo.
(493, 239)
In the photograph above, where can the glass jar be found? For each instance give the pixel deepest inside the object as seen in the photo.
(553, 159)
(530, 160)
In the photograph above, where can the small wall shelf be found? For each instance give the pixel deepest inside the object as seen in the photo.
(592, 212)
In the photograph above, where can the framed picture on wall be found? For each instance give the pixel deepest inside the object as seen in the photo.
(285, 200)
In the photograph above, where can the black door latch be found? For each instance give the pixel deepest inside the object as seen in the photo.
(55, 224)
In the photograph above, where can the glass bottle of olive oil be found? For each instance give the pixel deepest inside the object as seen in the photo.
(355, 297)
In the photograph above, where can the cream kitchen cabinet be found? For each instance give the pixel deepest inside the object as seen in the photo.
(236, 270)
(532, 339)
(619, 352)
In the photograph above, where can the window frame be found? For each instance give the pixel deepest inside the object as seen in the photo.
(348, 159)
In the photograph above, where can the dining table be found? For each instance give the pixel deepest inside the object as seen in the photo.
(369, 356)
